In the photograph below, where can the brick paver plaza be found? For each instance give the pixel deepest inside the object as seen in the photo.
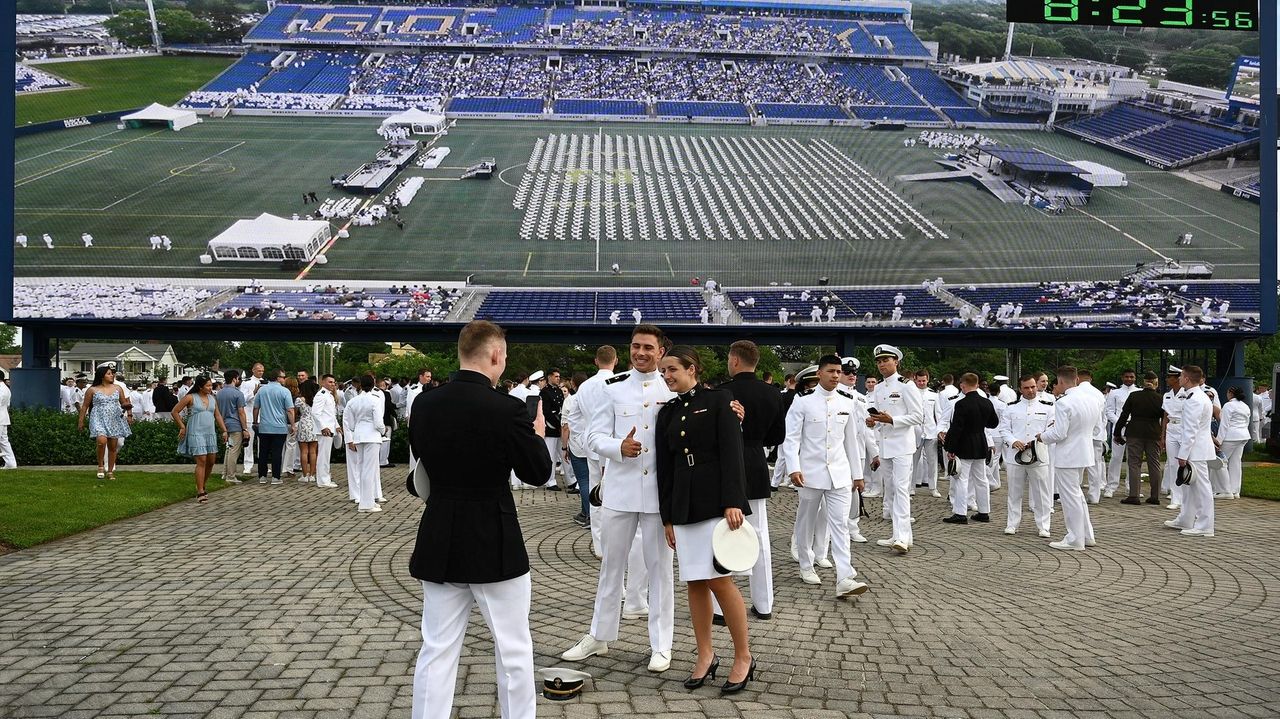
(284, 602)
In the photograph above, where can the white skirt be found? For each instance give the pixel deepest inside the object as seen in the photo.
(693, 549)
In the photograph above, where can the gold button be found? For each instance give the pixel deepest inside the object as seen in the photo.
(686, 450)
(681, 418)
(646, 449)
(646, 404)
(646, 384)
(646, 426)
(686, 404)
(645, 472)
(682, 433)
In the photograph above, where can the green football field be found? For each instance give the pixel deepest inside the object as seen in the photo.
(123, 185)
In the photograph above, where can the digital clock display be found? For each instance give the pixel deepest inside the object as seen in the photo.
(1239, 15)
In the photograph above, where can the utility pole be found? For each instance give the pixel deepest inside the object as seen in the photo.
(155, 26)
(1008, 43)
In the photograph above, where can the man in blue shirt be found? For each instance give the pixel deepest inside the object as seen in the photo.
(231, 407)
(273, 423)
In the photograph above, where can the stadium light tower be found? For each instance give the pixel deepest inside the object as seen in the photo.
(155, 26)
(1008, 43)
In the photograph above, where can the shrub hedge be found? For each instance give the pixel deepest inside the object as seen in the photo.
(47, 437)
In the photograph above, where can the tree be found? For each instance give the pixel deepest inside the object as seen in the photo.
(180, 26)
(226, 23)
(203, 354)
(1039, 45)
(9, 340)
(1076, 45)
(130, 27)
(289, 356)
(1132, 56)
(1199, 72)
(441, 364)
(41, 7)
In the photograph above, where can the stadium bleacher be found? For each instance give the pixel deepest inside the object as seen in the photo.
(1147, 132)
(29, 79)
(246, 71)
(687, 108)
(590, 306)
(800, 111)
(497, 105)
(851, 304)
(1243, 296)
(622, 108)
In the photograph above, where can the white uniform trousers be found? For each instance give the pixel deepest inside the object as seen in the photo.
(636, 595)
(1169, 481)
(925, 469)
(1197, 499)
(761, 577)
(1097, 474)
(1219, 479)
(1075, 513)
(818, 537)
(290, 454)
(1113, 467)
(1034, 482)
(971, 479)
(6, 449)
(1255, 428)
(324, 453)
(384, 455)
(855, 515)
(993, 469)
(874, 477)
(896, 472)
(1233, 452)
(248, 448)
(837, 505)
(553, 449)
(365, 459)
(779, 471)
(619, 534)
(595, 469)
(505, 608)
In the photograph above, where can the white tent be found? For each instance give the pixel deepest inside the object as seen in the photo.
(1101, 175)
(419, 122)
(155, 112)
(269, 238)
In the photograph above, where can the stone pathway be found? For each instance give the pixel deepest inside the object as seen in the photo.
(284, 602)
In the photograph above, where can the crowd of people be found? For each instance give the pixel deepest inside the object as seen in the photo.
(61, 300)
(321, 302)
(30, 79)
(659, 457)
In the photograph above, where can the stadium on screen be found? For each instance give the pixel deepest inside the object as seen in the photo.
(769, 162)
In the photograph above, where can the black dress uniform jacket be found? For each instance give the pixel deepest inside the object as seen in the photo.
(698, 441)
(552, 403)
(1140, 417)
(470, 438)
(763, 425)
(966, 438)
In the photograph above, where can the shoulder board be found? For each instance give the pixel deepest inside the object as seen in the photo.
(954, 397)
(1045, 401)
(846, 394)
(1012, 403)
(804, 393)
(617, 378)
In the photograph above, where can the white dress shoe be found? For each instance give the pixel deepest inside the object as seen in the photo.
(1195, 533)
(635, 613)
(660, 661)
(900, 547)
(825, 563)
(938, 494)
(1066, 545)
(1174, 506)
(883, 542)
(374, 508)
(857, 537)
(1010, 530)
(587, 647)
(973, 507)
(1109, 494)
(871, 495)
(795, 552)
(381, 500)
(810, 577)
(1044, 533)
(850, 587)
(1222, 495)
(1090, 542)
(1171, 524)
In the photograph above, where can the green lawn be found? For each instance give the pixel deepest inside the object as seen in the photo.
(37, 506)
(1261, 482)
(108, 85)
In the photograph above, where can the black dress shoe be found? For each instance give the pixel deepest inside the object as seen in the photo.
(735, 687)
(956, 519)
(388, 465)
(697, 682)
(765, 616)
(553, 488)
(573, 490)
(1153, 500)
(981, 517)
(718, 620)
(1131, 500)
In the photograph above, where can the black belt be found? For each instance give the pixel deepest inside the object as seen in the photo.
(469, 494)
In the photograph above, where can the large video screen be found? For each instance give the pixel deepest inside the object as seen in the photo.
(704, 162)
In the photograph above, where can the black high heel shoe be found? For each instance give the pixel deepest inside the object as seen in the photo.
(735, 687)
(697, 682)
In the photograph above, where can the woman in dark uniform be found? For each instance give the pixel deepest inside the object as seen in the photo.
(700, 481)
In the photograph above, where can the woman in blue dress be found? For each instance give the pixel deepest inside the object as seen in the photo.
(196, 433)
(110, 414)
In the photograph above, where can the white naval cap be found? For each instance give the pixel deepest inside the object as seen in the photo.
(1174, 370)
(1000, 378)
(561, 684)
(806, 374)
(1112, 385)
(536, 376)
(888, 351)
(850, 363)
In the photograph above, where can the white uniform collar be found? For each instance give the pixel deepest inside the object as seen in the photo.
(644, 376)
(823, 392)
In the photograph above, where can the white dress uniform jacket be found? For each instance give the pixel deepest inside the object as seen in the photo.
(1233, 424)
(929, 408)
(1197, 439)
(630, 400)
(590, 397)
(901, 400)
(362, 418)
(1021, 422)
(1075, 421)
(572, 416)
(324, 412)
(824, 432)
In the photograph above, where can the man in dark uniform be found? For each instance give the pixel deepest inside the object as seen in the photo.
(1138, 431)
(469, 439)
(763, 425)
(966, 441)
(552, 403)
